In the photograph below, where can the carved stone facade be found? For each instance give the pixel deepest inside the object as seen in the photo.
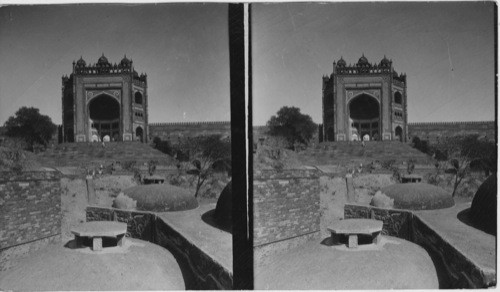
(104, 102)
(364, 101)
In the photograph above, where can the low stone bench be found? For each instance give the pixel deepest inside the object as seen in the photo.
(411, 178)
(153, 179)
(354, 227)
(96, 230)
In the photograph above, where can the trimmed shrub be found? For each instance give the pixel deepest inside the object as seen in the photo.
(124, 203)
(418, 196)
(161, 198)
(380, 200)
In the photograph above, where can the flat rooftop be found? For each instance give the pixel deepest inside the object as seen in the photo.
(216, 243)
(394, 264)
(453, 226)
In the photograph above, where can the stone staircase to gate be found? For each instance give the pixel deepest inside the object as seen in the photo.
(78, 154)
(339, 153)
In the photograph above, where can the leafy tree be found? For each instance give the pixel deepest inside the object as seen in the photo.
(461, 151)
(207, 153)
(422, 145)
(31, 126)
(163, 146)
(295, 127)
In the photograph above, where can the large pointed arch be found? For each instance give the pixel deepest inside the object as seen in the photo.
(364, 116)
(104, 116)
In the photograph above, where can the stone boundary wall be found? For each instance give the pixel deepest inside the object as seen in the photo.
(457, 271)
(175, 131)
(396, 222)
(286, 205)
(205, 272)
(30, 212)
(437, 130)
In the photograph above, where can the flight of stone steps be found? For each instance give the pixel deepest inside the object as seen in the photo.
(339, 153)
(77, 154)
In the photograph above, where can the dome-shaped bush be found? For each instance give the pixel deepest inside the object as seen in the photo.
(483, 211)
(418, 196)
(161, 198)
(123, 202)
(380, 200)
(224, 208)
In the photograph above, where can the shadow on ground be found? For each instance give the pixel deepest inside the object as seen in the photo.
(463, 216)
(209, 218)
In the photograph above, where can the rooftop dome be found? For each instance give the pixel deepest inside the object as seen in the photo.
(341, 62)
(483, 210)
(161, 198)
(81, 62)
(125, 62)
(223, 209)
(140, 265)
(418, 196)
(385, 62)
(363, 61)
(103, 60)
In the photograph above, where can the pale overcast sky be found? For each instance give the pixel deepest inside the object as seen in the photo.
(445, 48)
(182, 47)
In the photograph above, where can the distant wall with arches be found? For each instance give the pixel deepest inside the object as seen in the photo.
(439, 130)
(175, 131)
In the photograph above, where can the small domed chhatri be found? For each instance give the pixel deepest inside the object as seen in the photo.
(385, 62)
(103, 60)
(363, 61)
(341, 62)
(81, 62)
(125, 62)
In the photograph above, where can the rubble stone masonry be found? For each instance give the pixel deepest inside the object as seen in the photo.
(30, 207)
(286, 204)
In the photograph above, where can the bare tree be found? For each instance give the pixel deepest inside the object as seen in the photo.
(207, 154)
(461, 151)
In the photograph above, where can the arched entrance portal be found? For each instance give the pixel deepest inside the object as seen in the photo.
(104, 112)
(399, 133)
(138, 134)
(364, 114)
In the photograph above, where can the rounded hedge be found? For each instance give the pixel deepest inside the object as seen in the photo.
(418, 196)
(162, 198)
(483, 210)
(224, 208)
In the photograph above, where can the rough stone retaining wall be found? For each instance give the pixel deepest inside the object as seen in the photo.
(396, 222)
(456, 270)
(286, 210)
(200, 270)
(286, 204)
(30, 212)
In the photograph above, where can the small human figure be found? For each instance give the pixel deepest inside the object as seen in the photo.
(363, 143)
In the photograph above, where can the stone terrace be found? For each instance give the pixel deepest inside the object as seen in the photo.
(353, 152)
(76, 154)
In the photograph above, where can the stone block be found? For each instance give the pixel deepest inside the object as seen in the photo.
(97, 243)
(353, 241)
(377, 237)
